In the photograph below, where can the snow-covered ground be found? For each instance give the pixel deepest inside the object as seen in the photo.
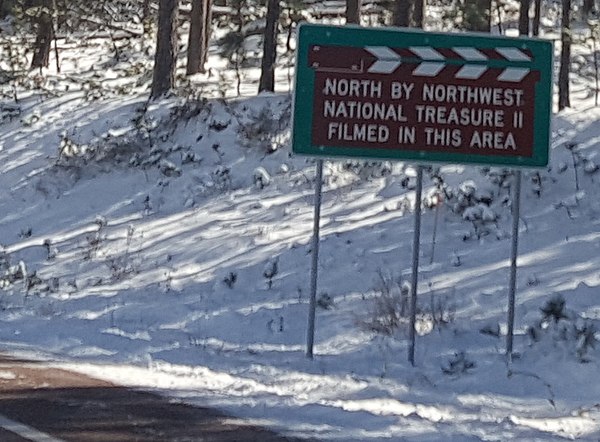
(136, 238)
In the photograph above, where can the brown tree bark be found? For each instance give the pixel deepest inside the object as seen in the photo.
(207, 29)
(44, 36)
(524, 17)
(565, 57)
(267, 73)
(353, 11)
(196, 38)
(163, 76)
(418, 13)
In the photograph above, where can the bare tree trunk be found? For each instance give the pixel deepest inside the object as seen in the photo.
(537, 8)
(402, 13)
(353, 11)
(163, 76)
(54, 32)
(267, 74)
(524, 17)
(44, 36)
(565, 57)
(196, 38)
(207, 29)
(588, 7)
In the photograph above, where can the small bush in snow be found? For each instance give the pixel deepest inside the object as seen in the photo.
(441, 312)
(491, 330)
(368, 169)
(221, 179)
(560, 328)
(457, 365)
(230, 279)
(325, 301)
(390, 306)
(261, 178)
(270, 271)
(268, 128)
(554, 309)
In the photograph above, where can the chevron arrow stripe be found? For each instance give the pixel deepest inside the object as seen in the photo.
(513, 75)
(431, 62)
(470, 54)
(387, 60)
(471, 71)
(426, 53)
(428, 69)
(513, 54)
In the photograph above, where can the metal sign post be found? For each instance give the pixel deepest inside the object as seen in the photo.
(415, 266)
(314, 269)
(513, 264)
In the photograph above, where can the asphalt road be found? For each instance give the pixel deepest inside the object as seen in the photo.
(50, 405)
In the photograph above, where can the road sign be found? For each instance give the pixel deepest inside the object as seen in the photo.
(414, 95)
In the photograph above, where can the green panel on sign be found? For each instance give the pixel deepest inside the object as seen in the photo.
(414, 95)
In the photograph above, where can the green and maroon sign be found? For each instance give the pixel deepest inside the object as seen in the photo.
(414, 95)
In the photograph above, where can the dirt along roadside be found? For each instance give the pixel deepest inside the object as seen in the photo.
(44, 404)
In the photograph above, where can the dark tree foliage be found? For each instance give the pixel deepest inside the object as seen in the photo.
(588, 6)
(477, 15)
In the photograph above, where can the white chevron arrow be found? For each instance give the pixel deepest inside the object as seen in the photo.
(471, 71)
(513, 54)
(513, 75)
(387, 60)
(428, 69)
(470, 54)
(426, 53)
(433, 62)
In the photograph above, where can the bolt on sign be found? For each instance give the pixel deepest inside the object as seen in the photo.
(414, 95)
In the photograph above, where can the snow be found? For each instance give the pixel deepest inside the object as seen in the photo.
(172, 254)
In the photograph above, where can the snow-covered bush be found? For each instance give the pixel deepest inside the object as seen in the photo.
(458, 364)
(268, 128)
(561, 329)
(475, 205)
(368, 169)
(261, 178)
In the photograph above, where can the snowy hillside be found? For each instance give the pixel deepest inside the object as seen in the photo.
(166, 245)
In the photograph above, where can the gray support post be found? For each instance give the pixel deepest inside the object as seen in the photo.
(310, 334)
(415, 265)
(516, 206)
